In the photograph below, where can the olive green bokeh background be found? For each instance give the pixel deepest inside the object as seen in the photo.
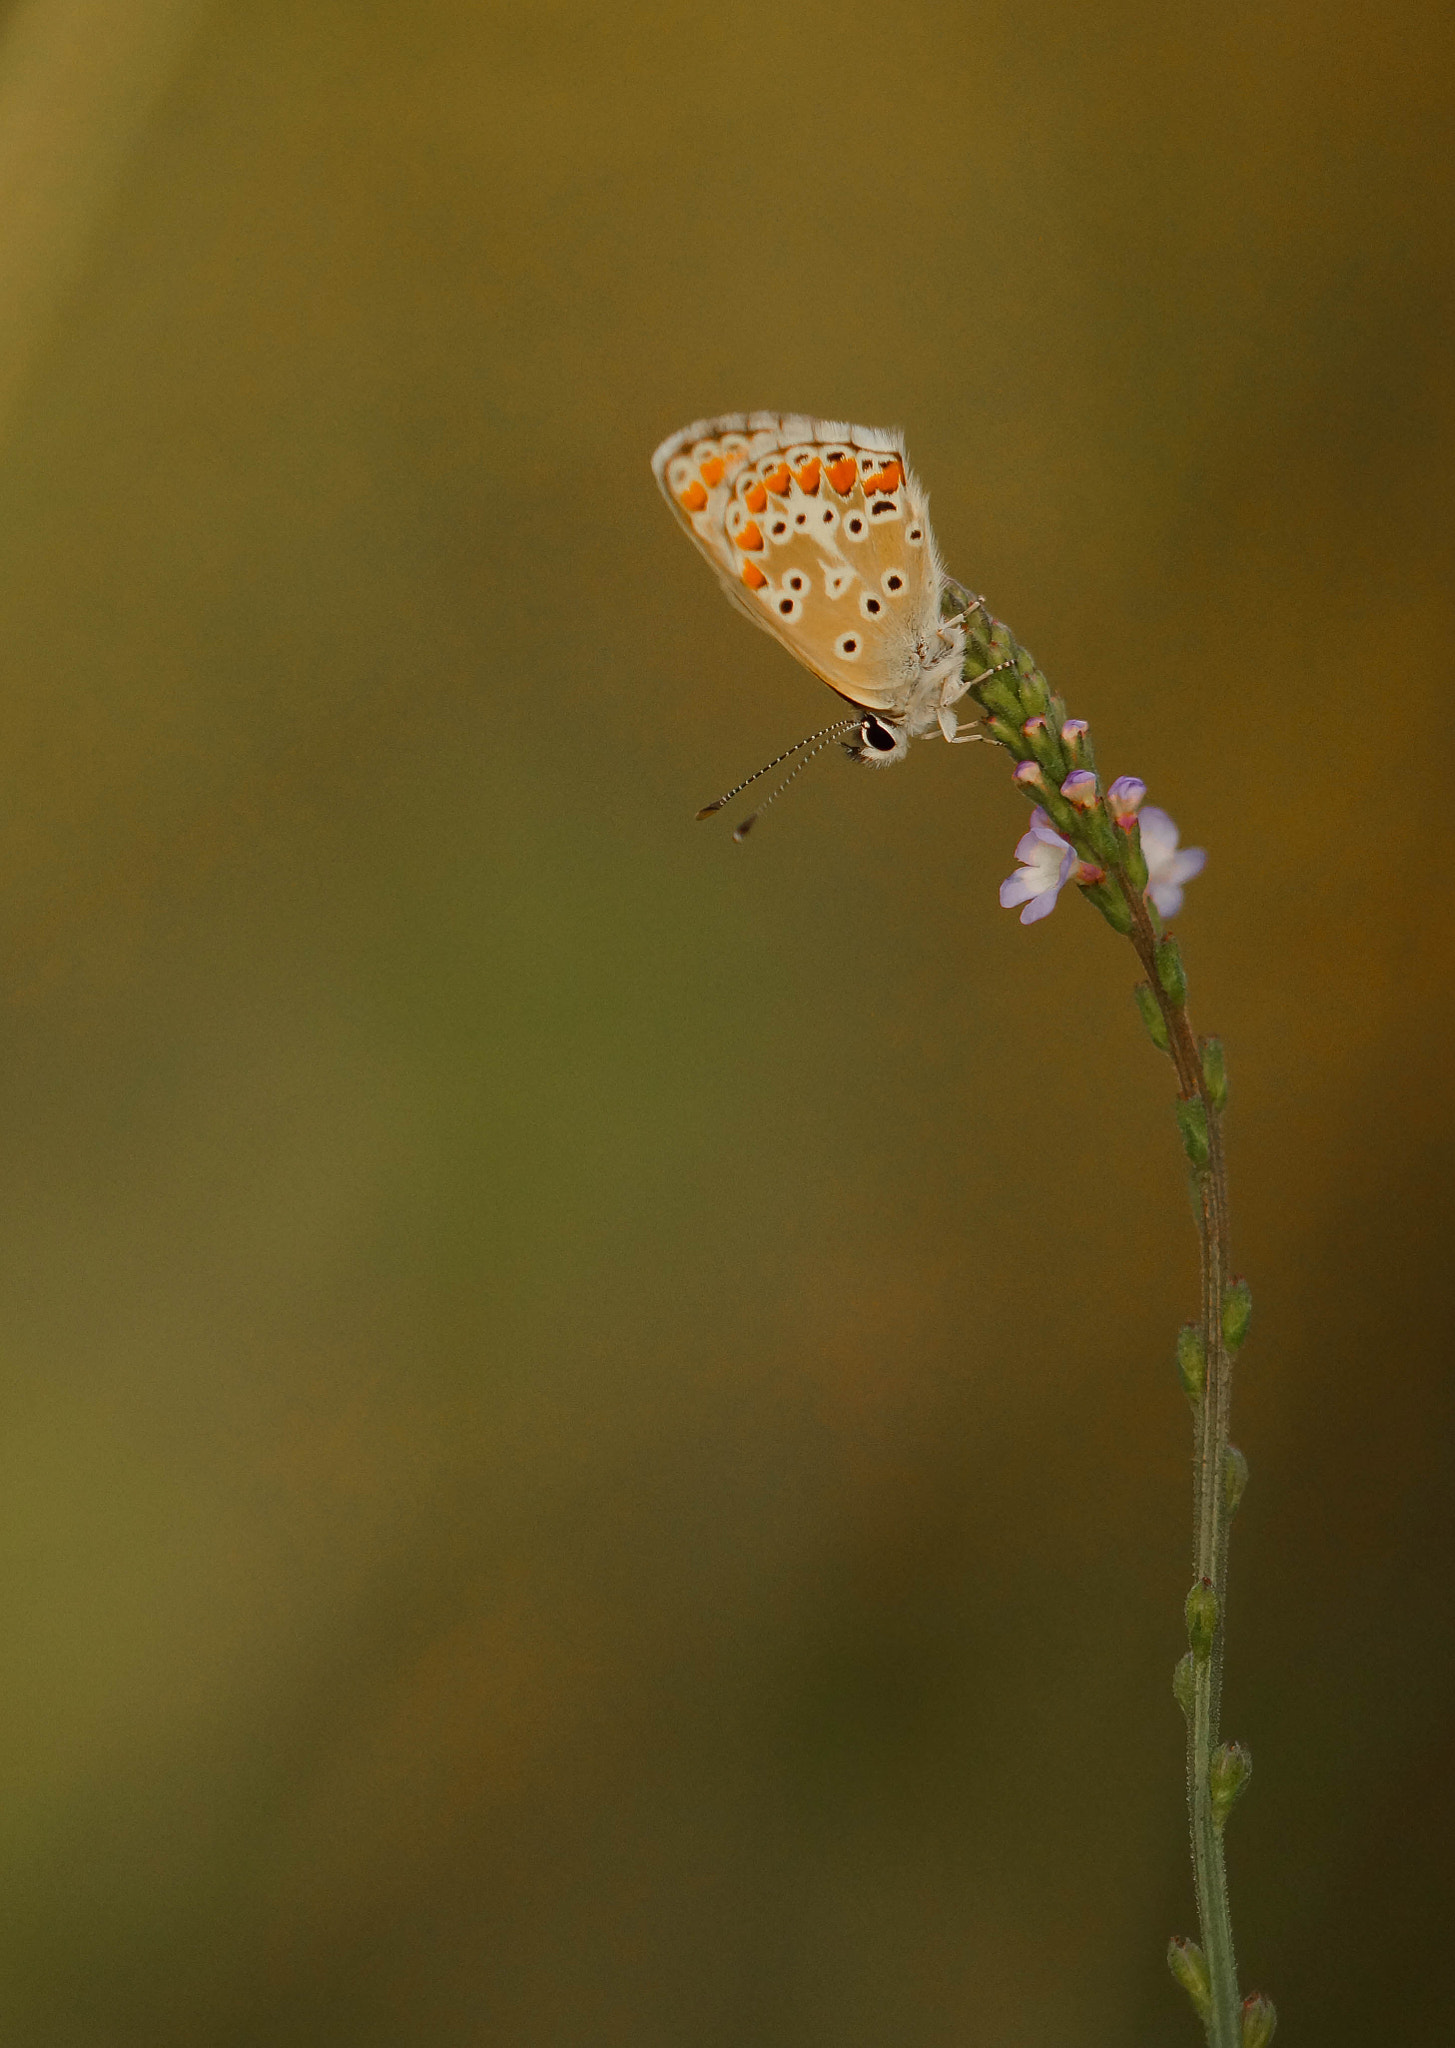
(590, 1452)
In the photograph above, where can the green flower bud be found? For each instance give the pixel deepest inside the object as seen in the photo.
(1235, 1477)
(1113, 906)
(1076, 739)
(997, 693)
(1192, 1123)
(1228, 1776)
(1188, 1965)
(1047, 749)
(1259, 2021)
(1105, 838)
(1170, 971)
(1007, 736)
(1192, 1361)
(1215, 1072)
(1034, 694)
(1184, 1683)
(1201, 1611)
(1134, 861)
(1237, 1312)
(1152, 1016)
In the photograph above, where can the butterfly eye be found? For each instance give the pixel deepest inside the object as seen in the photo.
(800, 519)
(789, 609)
(796, 581)
(871, 607)
(847, 647)
(879, 737)
(882, 505)
(778, 528)
(894, 582)
(915, 535)
(854, 527)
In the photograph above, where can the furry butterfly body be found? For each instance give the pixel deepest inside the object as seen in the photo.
(819, 532)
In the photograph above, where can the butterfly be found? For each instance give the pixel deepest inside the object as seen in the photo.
(819, 531)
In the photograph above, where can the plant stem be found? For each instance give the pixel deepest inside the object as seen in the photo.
(1023, 715)
(1211, 1514)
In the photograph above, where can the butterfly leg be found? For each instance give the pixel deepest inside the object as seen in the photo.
(949, 726)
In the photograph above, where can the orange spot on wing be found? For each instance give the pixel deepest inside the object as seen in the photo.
(777, 480)
(887, 479)
(711, 470)
(694, 497)
(842, 474)
(750, 536)
(753, 576)
(807, 477)
(755, 498)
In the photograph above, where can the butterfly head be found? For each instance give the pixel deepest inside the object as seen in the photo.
(878, 742)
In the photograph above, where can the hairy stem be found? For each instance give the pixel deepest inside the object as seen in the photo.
(1056, 769)
(1211, 1513)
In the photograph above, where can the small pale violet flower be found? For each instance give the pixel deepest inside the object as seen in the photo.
(1048, 860)
(1079, 788)
(1167, 868)
(1074, 731)
(1124, 798)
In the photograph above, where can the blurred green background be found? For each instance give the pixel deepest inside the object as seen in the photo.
(590, 1453)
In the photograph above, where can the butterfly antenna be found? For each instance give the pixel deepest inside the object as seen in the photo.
(827, 733)
(821, 740)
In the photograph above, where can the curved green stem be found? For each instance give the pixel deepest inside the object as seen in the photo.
(1025, 717)
(1211, 1513)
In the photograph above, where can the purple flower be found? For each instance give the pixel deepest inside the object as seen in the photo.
(1167, 869)
(1048, 860)
(1079, 788)
(1124, 798)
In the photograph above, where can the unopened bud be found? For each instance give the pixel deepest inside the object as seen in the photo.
(1192, 1123)
(1228, 1776)
(1184, 1683)
(1007, 736)
(1170, 970)
(1237, 1312)
(1191, 1361)
(1235, 1477)
(1259, 2021)
(997, 694)
(1124, 798)
(1075, 739)
(1215, 1072)
(1086, 874)
(1044, 744)
(1152, 1016)
(1188, 1965)
(1028, 775)
(1035, 695)
(1201, 1610)
(1080, 789)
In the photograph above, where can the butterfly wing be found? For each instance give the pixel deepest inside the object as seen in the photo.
(819, 532)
